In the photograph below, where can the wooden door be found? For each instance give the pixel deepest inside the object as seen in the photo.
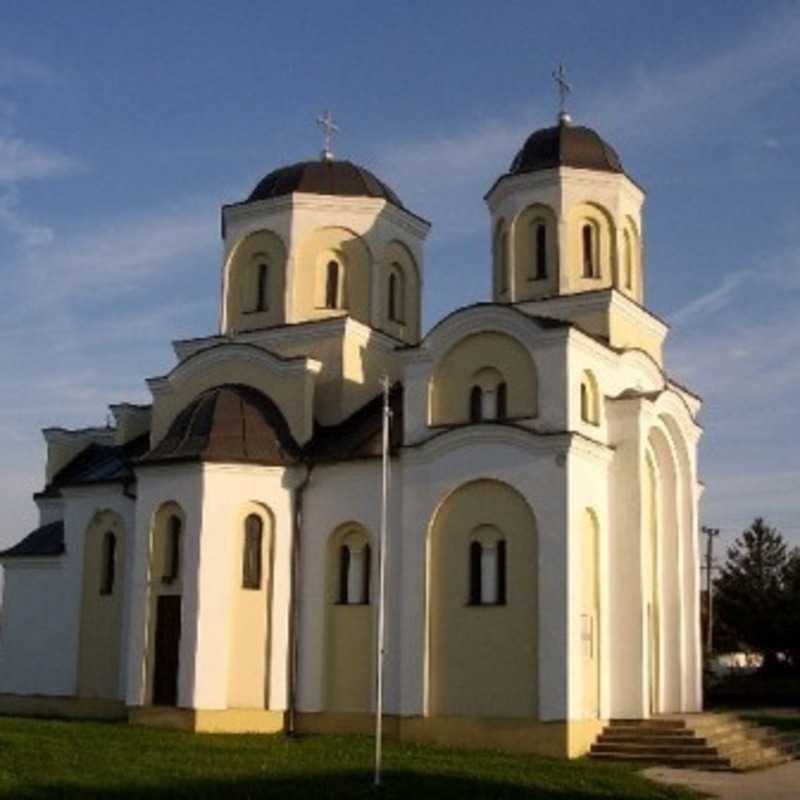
(167, 649)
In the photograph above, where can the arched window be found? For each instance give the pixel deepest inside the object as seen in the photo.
(476, 404)
(590, 402)
(108, 566)
(251, 558)
(354, 571)
(589, 239)
(628, 247)
(172, 556)
(475, 555)
(332, 278)
(538, 249)
(501, 397)
(503, 276)
(262, 287)
(487, 572)
(395, 298)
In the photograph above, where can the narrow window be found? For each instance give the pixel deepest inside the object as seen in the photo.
(367, 567)
(393, 315)
(262, 298)
(344, 573)
(172, 560)
(501, 572)
(109, 556)
(589, 265)
(251, 560)
(585, 402)
(476, 404)
(502, 401)
(628, 261)
(475, 559)
(540, 271)
(332, 285)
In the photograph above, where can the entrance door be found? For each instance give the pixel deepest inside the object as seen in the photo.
(167, 644)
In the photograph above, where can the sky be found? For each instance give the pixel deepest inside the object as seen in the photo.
(125, 126)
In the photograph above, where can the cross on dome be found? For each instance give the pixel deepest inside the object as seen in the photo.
(564, 89)
(325, 121)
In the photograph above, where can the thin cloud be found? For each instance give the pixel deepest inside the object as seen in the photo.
(715, 300)
(21, 160)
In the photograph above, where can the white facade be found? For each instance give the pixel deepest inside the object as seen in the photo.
(558, 403)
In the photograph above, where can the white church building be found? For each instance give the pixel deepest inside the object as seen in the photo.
(210, 560)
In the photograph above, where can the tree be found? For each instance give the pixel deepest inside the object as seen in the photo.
(750, 597)
(791, 613)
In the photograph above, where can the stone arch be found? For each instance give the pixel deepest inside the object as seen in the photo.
(668, 565)
(535, 252)
(247, 305)
(166, 566)
(251, 608)
(689, 577)
(590, 613)
(482, 660)
(455, 372)
(349, 640)
(595, 217)
(315, 252)
(102, 604)
(399, 261)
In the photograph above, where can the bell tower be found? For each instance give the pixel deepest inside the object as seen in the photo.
(566, 234)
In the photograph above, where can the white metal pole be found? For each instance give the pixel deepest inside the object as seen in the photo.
(382, 583)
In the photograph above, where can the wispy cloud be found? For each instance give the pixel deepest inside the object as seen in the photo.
(22, 160)
(717, 299)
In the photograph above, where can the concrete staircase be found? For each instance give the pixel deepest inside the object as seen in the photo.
(699, 741)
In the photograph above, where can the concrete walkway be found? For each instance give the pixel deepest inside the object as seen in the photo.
(775, 783)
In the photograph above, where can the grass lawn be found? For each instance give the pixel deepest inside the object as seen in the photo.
(47, 759)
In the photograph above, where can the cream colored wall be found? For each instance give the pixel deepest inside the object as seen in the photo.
(248, 670)
(483, 659)
(156, 586)
(99, 657)
(526, 285)
(652, 610)
(290, 388)
(625, 333)
(241, 282)
(349, 642)
(601, 220)
(309, 263)
(590, 615)
(453, 377)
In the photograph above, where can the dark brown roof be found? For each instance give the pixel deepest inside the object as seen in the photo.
(231, 423)
(359, 436)
(565, 145)
(45, 541)
(323, 177)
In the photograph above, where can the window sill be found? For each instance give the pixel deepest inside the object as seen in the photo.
(486, 605)
(255, 312)
(351, 605)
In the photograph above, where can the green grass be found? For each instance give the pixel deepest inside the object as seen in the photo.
(48, 759)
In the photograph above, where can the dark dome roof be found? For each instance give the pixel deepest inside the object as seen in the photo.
(323, 177)
(229, 423)
(565, 145)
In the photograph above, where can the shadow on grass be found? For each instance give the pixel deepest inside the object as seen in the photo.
(398, 785)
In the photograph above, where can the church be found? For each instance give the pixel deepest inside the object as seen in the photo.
(209, 561)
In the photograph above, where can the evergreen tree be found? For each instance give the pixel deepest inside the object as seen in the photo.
(750, 600)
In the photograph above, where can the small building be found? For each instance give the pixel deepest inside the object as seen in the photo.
(210, 560)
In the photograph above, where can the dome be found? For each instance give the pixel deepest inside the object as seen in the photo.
(229, 423)
(565, 145)
(342, 178)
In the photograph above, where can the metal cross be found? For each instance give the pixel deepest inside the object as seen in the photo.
(564, 87)
(325, 121)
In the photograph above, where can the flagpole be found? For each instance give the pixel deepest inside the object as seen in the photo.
(382, 582)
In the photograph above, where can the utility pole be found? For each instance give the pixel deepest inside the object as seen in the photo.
(710, 534)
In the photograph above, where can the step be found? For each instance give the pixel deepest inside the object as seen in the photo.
(656, 741)
(654, 750)
(632, 730)
(652, 722)
(695, 762)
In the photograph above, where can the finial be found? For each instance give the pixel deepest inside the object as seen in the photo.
(328, 126)
(564, 89)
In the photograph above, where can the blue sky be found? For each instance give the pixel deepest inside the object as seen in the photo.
(124, 127)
